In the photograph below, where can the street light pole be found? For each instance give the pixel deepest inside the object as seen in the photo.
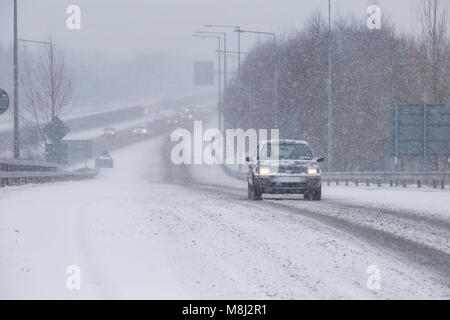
(219, 38)
(52, 79)
(330, 101)
(275, 71)
(220, 84)
(238, 28)
(16, 142)
(224, 35)
(239, 39)
(249, 85)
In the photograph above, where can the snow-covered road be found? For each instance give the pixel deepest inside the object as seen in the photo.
(147, 229)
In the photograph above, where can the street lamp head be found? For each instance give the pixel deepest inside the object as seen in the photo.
(220, 26)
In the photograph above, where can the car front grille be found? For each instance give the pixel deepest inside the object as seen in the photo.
(291, 169)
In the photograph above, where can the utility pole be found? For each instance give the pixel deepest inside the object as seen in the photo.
(330, 101)
(16, 89)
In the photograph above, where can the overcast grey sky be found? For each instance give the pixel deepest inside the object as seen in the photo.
(125, 28)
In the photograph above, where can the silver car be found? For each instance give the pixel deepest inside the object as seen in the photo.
(295, 170)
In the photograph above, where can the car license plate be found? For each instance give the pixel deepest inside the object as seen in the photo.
(290, 179)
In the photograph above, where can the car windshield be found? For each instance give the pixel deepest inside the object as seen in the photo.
(294, 151)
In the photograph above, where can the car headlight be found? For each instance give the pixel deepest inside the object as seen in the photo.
(263, 170)
(312, 171)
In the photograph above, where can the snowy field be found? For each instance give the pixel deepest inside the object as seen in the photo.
(148, 230)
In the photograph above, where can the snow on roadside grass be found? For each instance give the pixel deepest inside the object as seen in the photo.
(424, 201)
(303, 257)
(98, 225)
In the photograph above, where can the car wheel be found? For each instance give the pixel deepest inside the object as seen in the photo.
(308, 195)
(317, 195)
(250, 192)
(257, 194)
(254, 193)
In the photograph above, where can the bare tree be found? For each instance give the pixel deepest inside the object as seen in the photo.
(435, 46)
(46, 85)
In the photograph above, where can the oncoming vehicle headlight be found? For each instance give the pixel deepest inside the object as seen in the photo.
(263, 170)
(312, 171)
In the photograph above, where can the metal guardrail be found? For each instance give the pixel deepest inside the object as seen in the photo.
(233, 173)
(24, 165)
(434, 179)
(404, 179)
(19, 178)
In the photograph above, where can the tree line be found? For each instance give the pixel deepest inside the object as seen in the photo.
(371, 69)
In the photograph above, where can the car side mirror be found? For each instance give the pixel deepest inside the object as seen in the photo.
(320, 159)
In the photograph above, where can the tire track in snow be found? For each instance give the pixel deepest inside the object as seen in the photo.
(437, 260)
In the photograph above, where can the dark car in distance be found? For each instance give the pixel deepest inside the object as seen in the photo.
(104, 160)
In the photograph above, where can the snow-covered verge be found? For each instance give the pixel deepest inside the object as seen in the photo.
(421, 201)
(99, 225)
